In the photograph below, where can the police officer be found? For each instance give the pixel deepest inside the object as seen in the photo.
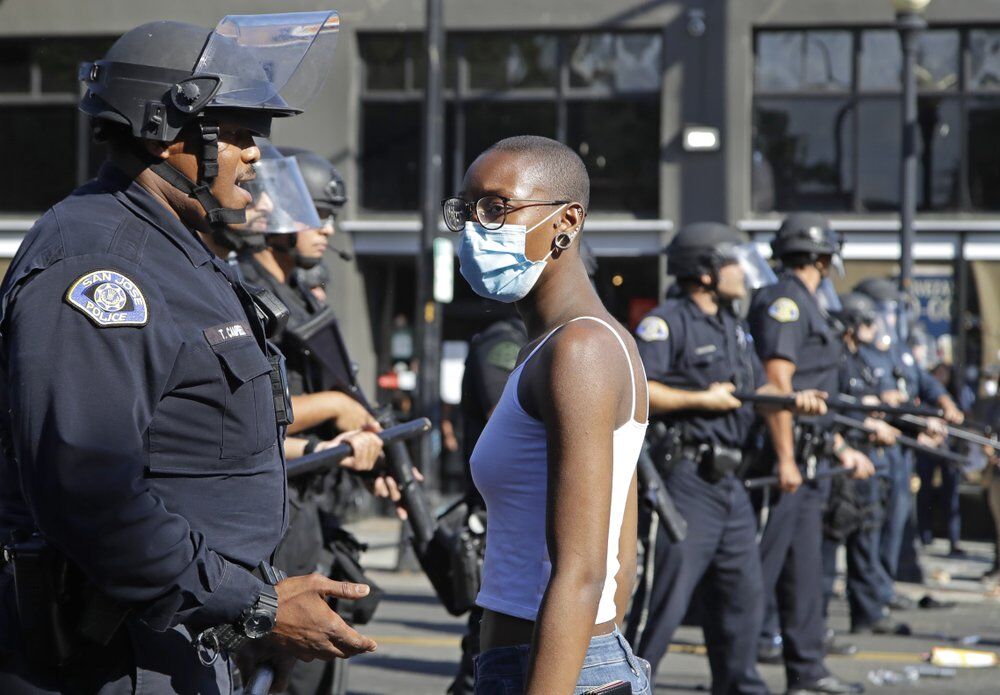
(901, 380)
(853, 516)
(143, 476)
(696, 353)
(800, 349)
(296, 198)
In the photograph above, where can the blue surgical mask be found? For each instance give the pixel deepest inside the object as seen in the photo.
(492, 261)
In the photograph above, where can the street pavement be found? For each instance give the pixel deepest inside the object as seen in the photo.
(419, 642)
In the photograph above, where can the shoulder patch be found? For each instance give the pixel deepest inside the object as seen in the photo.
(784, 310)
(503, 355)
(108, 298)
(653, 329)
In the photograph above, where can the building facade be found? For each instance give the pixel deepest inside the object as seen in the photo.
(791, 105)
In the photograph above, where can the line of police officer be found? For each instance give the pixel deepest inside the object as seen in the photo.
(801, 341)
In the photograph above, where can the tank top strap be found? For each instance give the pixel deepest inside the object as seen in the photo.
(628, 357)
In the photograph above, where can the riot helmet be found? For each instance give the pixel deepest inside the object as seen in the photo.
(326, 185)
(703, 248)
(856, 309)
(162, 77)
(889, 301)
(804, 238)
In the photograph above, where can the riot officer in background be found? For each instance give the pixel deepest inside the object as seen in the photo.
(800, 348)
(901, 381)
(697, 353)
(296, 198)
(143, 476)
(853, 516)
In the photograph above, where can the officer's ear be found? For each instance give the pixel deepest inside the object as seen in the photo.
(706, 280)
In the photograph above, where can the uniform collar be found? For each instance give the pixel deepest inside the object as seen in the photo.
(792, 276)
(142, 203)
(697, 312)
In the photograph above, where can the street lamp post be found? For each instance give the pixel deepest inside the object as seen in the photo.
(428, 310)
(910, 23)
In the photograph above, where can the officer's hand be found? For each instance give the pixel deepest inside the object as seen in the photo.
(937, 428)
(789, 476)
(893, 398)
(884, 434)
(307, 628)
(810, 402)
(951, 412)
(367, 447)
(350, 415)
(854, 460)
(385, 486)
(719, 397)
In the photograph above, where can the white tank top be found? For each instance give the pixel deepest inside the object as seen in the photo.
(510, 468)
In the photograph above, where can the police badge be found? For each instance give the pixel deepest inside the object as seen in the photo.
(108, 298)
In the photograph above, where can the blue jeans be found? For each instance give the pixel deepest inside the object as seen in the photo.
(609, 658)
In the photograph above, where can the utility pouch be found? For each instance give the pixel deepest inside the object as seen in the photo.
(279, 391)
(718, 461)
(60, 613)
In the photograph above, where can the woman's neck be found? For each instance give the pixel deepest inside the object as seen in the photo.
(561, 298)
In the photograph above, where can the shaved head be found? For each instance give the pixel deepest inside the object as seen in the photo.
(556, 168)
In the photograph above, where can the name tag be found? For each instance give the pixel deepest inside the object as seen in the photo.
(228, 331)
(705, 350)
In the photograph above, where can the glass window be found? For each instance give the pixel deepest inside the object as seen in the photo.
(385, 59)
(46, 171)
(60, 59)
(984, 59)
(390, 156)
(506, 62)
(984, 143)
(803, 61)
(15, 66)
(618, 143)
(808, 145)
(621, 62)
(939, 152)
(489, 121)
(938, 54)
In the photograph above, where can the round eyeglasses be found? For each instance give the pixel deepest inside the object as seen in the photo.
(490, 210)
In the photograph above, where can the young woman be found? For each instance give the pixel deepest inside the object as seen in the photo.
(556, 462)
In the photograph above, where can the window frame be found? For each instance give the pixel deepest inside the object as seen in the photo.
(458, 94)
(961, 94)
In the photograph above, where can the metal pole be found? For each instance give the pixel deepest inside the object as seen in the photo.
(959, 322)
(909, 25)
(428, 312)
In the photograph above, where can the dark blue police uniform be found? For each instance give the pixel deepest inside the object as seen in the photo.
(897, 370)
(139, 410)
(860, 500)
(787, 323)
(683, 347)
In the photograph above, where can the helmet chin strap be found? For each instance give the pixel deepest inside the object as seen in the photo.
(219, 217)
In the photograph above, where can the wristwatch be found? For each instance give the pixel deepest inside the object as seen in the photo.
(256, 622)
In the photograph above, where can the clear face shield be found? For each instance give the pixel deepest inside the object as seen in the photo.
(827, 297)
(886, 324)
(277, 62)
(281, 201)
(756, 270)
